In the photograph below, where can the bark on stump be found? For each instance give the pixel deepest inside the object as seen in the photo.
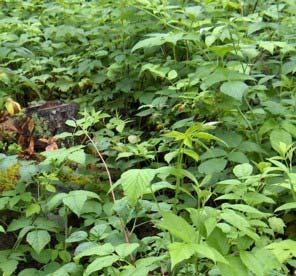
(55, 114)
(51, 117)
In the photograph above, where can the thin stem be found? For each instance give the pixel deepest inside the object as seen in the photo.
(105, 165)
(179, 166)
(66, 228)
(255, 6)
(292, 188)
(125, 231)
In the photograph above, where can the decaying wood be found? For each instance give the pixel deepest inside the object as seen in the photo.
(55, 114)
(37, 126)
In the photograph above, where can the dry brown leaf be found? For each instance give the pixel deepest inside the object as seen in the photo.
(21, 141)
(31, 126)
(31, 147)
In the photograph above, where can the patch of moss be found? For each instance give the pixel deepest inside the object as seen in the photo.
(9, 177)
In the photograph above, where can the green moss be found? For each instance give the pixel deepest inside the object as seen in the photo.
(9, 177)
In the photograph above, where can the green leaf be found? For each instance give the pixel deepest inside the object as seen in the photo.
(260, 261)
(32, 209)
(55, 201)
(252, 263)
(243, 170)
(222, 50)
(207, 136)
(210, 253)
(71, 123)
(219, 241)
(149, 42)
(213, 153)
(210, 223)
(170, 156)
(267, 45)
(126, 249)
(279, 136)
(68, 269)
(180, 252)
(283, 250)
(93, 249)
(234, 219)
(212, 166)
(135, 182)
(20, 223)
(158, 39)
(77, 237)
(286, 206)
(8, 267)
(38, 239)
(194, 155)
(178, 227)
(100, 263)
(245, 208)
(78, 156)
(177, 172)
(235, 267)
(276, 224)
(234, 89)
(2, 230)
(75, 202)
(172, 74)
(124, 155)
(176, 135)
(238, 157)
(289, 127)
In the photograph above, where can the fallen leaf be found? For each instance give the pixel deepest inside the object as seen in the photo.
(31, 147)
(12, 106)
(21, 141)
(31, 126)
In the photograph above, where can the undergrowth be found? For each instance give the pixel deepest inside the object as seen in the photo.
(181, 161)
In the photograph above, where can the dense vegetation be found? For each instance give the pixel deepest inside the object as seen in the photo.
(181, 161)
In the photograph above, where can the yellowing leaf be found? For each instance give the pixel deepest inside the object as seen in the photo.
(12, 106)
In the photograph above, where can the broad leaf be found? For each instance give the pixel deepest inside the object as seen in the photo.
(209, 252)
(126, 249)
(77, 237)
(283, 250)
(180, 252)
(279, 136)
(212, 166)
(235, 267)
(100, 263)
(38, 239)
(135, 182)
(178, 227)
(75, 202)
(92, 249)
(234, 89)
(286, 206)
(243, 170)
(260, 261)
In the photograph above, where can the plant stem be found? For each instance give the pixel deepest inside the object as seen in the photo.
(179, 166)
(66, 228)
(125, 231)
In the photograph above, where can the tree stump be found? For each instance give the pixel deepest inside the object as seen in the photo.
(46, 121)
(54, 114)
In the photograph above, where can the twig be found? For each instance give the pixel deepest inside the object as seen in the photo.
(125, 231)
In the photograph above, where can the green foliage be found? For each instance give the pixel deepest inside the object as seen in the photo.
(182, 159)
